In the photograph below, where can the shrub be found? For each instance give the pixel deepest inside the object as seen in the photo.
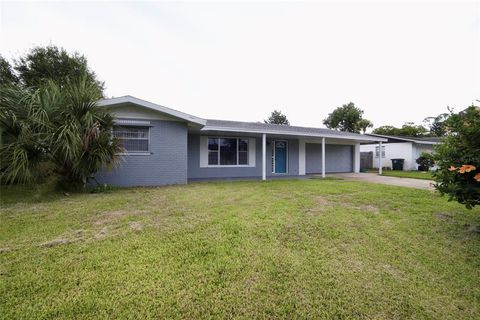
(54, 131)
(425, 161)
(458, 158)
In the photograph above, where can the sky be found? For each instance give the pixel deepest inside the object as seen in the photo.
(398, 61)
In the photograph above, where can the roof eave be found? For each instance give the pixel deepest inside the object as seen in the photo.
(293, 133)
(152, 106)
(403, 139)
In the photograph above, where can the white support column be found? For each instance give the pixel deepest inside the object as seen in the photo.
(356, 162)
(301, 157)
(380, 158)
(264, 156)
(323, 157)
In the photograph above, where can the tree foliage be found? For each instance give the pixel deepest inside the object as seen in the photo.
(408, 129)
(51, 63)
(7, 74)
(437, 125)
(458, 158)
(54, 129)
(277, 117)
(347, 118)
(425, 161)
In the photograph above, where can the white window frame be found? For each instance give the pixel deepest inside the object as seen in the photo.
(377, 151)
(229, 165)
(135, 153)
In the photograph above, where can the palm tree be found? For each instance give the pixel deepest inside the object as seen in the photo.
(55, 130)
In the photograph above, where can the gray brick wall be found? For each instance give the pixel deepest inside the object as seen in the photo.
(166, 165)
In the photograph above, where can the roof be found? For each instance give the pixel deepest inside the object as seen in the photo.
(153, 106)
(259, 127)
(237, 126)
(419, 140)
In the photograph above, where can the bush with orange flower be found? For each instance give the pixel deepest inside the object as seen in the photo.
(458, 158)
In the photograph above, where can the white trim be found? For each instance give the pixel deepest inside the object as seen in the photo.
(323, 157)
(252, 152)
(130, 122)
(380, 158)
(302, 157)
(153, 106)
(403, 139)
(356, 158)
(204, 153)
(264, 156)
(136, 153)
(294, 133)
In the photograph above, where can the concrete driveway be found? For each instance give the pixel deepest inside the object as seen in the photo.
(393, 181)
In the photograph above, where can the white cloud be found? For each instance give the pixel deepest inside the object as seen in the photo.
(399, 62)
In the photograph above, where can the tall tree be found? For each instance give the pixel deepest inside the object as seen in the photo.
(277, 117)
(437, 124)
(42, 64)
(7, 74)
(408, 129)
(347, 118)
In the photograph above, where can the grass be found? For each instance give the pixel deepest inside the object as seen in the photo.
(278, 249)
(426, 175)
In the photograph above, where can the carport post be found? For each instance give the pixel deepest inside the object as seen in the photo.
(380, 157)
(356, 156)
(264, 156)
(323, 157)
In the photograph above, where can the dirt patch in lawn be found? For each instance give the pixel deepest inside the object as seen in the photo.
(56, 242)
(113, 217)
(324, 204)
(136, 226)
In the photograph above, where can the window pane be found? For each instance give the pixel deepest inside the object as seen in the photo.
(132, 139)
(242, 145)
(134, 145)
(213, 157)
(228, 151)
(242, 157)
(130, 132)
(212, 144)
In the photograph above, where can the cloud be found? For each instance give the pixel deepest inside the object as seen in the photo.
(399, 62)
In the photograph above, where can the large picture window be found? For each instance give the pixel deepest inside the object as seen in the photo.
(133, 139)
(227, 151)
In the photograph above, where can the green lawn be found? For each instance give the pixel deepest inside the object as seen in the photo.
(277, 249)
(408, 174)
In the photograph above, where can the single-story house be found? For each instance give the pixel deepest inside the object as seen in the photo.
(399, 147)
(166, 146)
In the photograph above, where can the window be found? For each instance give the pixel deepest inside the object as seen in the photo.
(383, 151)
(133, 139)
(227, 151)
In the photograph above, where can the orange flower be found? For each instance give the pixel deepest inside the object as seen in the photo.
(452, 168)
(477, 177)
(466, 168)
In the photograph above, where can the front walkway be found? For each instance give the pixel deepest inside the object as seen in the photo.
(394, 181)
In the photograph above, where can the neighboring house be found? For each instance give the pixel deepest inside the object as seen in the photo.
(398, 147)
(165, 146)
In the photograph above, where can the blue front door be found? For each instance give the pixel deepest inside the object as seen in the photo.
(280, 157)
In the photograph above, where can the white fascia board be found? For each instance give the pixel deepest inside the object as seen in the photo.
(425, 142)
(153, 106)
(403, 139)
(293, 133)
